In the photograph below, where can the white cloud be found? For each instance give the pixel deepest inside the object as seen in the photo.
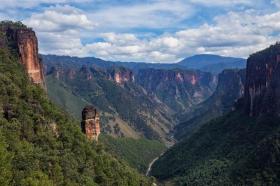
(63, 30)
(155, 14)
(234, 34)
(59, 18)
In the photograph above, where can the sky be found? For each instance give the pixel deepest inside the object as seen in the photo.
(162, 31)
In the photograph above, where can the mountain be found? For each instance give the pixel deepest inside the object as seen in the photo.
(40, 144)
(229, 89)
(203, 62)
(240, 148)
(125, 107)
(212, 63)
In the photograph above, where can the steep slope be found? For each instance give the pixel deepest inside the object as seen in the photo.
(263, 82)
(178, 89)
(40, 145)
(230, 88)
(236, 149)
(137, 152)
(125, 106)
(212, 63)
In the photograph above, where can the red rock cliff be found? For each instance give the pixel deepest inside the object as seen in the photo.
(23, 40)
(29, 57)
(90, 124)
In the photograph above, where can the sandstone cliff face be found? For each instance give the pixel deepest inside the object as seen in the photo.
(90, 123)
(262, 90)
(28, 49)
(121, 75)
(24, 41)
(179, 89)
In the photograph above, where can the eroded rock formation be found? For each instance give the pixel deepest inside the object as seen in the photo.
(24, 41)
(28, 50)
(179, 89)
(262, 90)
(121, 75)
(90, 123)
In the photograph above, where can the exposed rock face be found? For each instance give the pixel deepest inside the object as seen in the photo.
(24, 41)
(179, 89)
(121, 75)
(28, 49)
(262, 91)
(90, 123)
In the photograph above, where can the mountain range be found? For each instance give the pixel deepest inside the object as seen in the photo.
(202, 121)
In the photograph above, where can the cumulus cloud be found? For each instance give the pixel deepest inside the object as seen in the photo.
(153, 30)
(234, 34)
(59, 18)
(155, 14)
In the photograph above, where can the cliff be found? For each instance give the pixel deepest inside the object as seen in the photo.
(121, 75)
(179, 89)
(90, 123)
(23, 41)
(263, 82)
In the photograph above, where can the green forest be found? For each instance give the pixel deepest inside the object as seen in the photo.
(137, 152)
(231, 150)
(41, 145)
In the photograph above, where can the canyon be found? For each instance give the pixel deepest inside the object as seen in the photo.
(242, 146)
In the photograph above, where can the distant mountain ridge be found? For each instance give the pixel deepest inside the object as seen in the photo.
(212, 63)
(203, 62)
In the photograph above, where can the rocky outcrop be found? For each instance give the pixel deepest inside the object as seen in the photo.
(90, 123)
(28, 50)
(121, 75)
(24, 41)
(262, 90)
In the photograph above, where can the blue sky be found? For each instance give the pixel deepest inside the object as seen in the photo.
(148, 30)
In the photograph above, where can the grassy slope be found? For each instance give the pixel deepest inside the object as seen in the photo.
(40, 145)
(231, 150)
(67, 100)
(137, 152)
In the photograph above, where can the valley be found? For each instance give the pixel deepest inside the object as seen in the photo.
(202, 120)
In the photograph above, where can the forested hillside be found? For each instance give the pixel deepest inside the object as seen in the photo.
(40, 144)
(240, 148)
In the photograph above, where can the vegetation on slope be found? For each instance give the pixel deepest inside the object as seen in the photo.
(137, 152)
(231, 150)
(128, 102)
(40, 145)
